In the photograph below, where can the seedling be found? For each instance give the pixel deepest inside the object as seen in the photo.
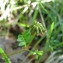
(37, 53)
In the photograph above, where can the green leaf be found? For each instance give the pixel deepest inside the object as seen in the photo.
(4, 56)
(37, 53)
(22, 44)
(37, 56)
(40, 53)
(52, 27)
(23, 25)
(35, 14)
(25, 38)
(1, 51)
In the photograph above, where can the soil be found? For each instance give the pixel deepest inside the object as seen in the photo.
(6, 44)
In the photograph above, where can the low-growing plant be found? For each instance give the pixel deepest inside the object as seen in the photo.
(37, 54)
(43, 15)
(25, 38)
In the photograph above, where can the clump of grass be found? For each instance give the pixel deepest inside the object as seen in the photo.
(40, 17)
